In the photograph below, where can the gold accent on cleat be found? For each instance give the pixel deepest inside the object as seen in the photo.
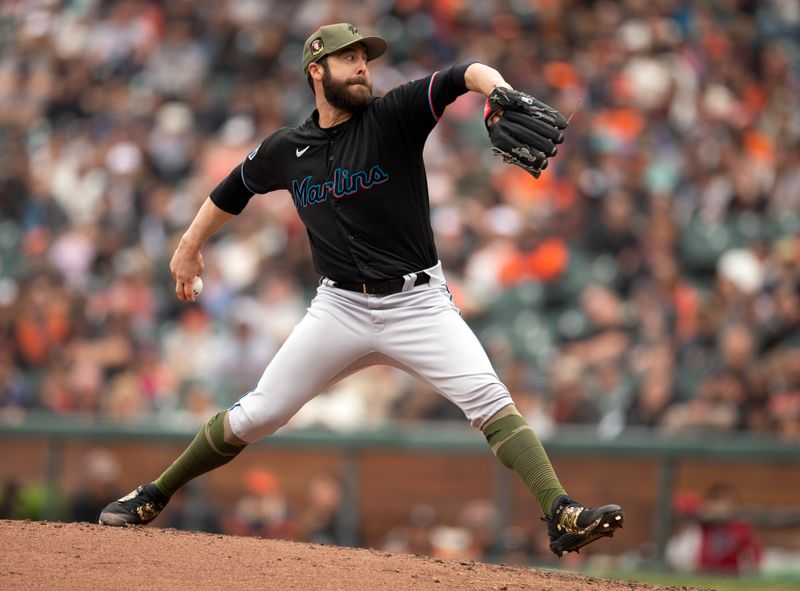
(147, 512)
(569, 521)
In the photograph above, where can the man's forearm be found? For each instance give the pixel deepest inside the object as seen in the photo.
(481, 78)
(208, 220)
(187, 262)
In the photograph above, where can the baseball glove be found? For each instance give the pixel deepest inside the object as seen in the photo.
(527, 131)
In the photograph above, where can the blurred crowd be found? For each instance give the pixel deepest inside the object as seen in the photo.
(650, 277)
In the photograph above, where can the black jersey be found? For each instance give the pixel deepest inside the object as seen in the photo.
(360, 187)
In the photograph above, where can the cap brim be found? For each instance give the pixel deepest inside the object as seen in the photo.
(376, 46)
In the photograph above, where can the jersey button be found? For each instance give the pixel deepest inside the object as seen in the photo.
(331, 158)
(350, 237)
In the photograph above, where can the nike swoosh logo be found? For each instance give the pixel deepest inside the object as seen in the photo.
(300, 152)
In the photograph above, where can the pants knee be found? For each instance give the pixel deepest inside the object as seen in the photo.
(251, 426)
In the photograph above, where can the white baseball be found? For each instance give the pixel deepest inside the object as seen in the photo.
(197, 286)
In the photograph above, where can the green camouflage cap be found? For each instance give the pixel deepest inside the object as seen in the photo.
(331, 38)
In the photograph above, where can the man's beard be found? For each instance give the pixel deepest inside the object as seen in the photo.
(340, 95)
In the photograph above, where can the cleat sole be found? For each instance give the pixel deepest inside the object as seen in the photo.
(609, 523)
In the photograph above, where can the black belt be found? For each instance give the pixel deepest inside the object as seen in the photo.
(387, 287)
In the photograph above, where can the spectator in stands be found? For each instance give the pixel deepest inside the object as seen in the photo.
(571, 404)
(613, 232)
(318, 521)
(652, 401)
(714, 408)
(10, 501)
(194, 511)
(15, 391)
(263, 510)
(683, 546)
(42, 323)
(728, 542)
(414, 536)
(711, 535)
(480, 518)
(100, 471)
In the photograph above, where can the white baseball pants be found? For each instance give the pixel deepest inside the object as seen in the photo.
(418, 330)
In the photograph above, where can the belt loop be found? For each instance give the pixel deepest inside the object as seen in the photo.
(409, 281)
(364, 288)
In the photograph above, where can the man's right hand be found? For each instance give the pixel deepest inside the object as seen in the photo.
(186, 264)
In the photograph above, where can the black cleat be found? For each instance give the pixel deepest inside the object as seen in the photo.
(572, 525)
(138, 508)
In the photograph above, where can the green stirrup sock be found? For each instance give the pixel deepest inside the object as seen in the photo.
(516, 445)
(207, 451)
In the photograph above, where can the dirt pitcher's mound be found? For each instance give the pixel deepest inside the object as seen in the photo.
(40, 555)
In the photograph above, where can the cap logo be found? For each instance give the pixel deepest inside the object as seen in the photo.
(317, 46)
(352, 29)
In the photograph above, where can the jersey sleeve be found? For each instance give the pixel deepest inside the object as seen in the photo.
(258, 173)
(418, 105)
(262, 169)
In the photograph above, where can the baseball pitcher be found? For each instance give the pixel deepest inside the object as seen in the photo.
(356, 175)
